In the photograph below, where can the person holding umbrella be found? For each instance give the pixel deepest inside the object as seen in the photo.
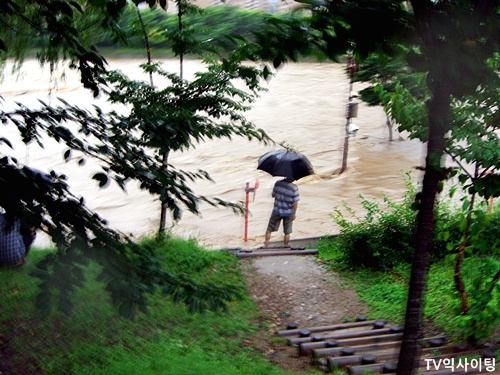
(286, 201)
(293, 166)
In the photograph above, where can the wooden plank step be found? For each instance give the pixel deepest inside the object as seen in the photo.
(334, 363)
(366, 348)
(335, 327)
(261, 253)
(307, 347)
(345, 335)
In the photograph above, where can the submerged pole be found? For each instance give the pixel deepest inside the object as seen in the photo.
(351, 69)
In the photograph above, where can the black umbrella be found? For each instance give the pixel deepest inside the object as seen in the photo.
(286, 164)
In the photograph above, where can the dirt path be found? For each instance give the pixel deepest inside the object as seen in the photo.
(297, 289)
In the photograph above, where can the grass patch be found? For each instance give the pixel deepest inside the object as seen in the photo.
(95, 340)
(385, 294)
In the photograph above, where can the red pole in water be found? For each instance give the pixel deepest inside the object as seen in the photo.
(247, 192)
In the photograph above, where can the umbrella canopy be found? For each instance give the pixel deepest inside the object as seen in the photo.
(285, 163)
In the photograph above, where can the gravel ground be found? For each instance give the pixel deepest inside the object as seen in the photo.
(296, 289)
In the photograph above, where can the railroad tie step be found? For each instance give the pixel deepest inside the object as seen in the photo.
(308, 347)
(347, 334)
(335, 327)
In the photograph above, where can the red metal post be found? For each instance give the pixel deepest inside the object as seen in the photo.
(247, 192)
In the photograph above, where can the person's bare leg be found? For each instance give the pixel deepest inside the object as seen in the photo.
(286, 240)
(268, 238)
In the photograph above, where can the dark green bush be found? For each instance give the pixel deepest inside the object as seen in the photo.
(379, 241)
(384, 237)
(486, 233)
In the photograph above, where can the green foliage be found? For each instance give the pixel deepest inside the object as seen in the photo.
(129, 272)
(487, 237)
(387, 291)
(58, 31)
(176, 117)
(384, 236)
(482, 235)
(381, 239)
(94, 340)
(385, 73)
(475, 138)
(188, 257)
(483, 315)
(473, 124)
(404, 107)
(442, 304)
(385, 294)
(216, 27)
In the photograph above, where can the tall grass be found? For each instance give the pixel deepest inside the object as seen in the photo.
(95, 340)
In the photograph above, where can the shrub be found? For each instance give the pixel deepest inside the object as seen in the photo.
(384, 236)
(483, 298)
(380, 240)
(442, 304)
(485, 233)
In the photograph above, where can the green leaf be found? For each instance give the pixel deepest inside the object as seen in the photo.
(76, 6)
(64, 303)
(101, 178)
(127, 310)
(67, 155)
(6, 141)
(163, 4)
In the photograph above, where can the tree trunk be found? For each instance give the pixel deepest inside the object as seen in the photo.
(146, 42)
(180, 13)
(438, 118)
(164, 206)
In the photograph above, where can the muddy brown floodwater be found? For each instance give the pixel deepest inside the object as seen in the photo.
(304, 107)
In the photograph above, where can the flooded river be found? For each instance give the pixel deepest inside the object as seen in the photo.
(304, 106)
